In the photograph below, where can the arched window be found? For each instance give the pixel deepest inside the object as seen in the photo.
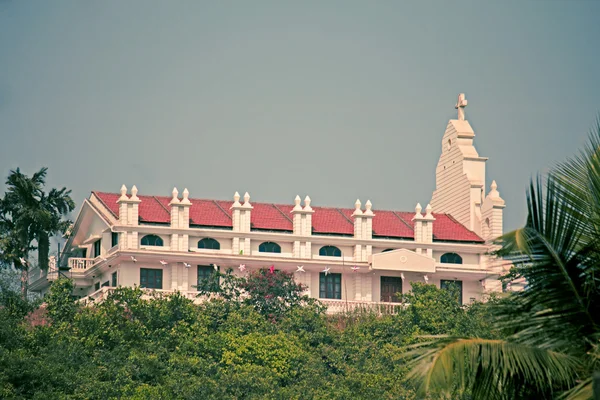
(451, 258)
(330, 251)
(386, 250)
(152, 240)
(209, 243)
(269, 247)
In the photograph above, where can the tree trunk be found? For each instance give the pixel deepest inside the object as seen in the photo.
(43, 250)
(24, 281)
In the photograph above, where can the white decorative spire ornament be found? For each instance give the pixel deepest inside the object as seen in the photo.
(186, 195)
(368, 206)
(297, 206)
(247, 200)
(236, 200)
(307, 204)
(175, 194)
(357, 210)
(418, 209)
(134, 192)
(124, 193)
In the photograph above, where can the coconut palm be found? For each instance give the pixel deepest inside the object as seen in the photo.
(552, 327)
(28, 214)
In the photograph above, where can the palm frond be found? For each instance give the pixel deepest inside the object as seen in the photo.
(489, 368)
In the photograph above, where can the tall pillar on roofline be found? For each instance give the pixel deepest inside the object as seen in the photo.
(363, 230)
(236, 210)
(128, 216)
(423, 229)
(460, 173)
(492, 210)
(241, 221)
(302, 225)
(180, 219)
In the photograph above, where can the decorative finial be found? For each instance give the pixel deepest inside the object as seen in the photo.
(123, 193)
(236, 200)
(418, 209)
(368, 206)
(175, 199)
(494, 190)
(186, 195)
(357, 210)
(134, 191)
(460, 106)
(247, 200)
(297, 206)
(307, 204)
(428, 210)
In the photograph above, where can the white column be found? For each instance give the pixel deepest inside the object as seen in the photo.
(128, 216)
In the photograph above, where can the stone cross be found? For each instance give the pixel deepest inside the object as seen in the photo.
(460, 106)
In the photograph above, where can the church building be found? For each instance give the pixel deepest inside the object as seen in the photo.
(348, 257)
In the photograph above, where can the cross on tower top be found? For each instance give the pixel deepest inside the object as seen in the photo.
(460, 106)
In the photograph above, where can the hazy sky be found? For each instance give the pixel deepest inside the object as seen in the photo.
(338, 100)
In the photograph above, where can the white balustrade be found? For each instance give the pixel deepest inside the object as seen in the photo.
(80, 264)
(333, 306)
(341, 306)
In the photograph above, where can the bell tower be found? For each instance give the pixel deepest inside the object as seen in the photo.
(460, 174)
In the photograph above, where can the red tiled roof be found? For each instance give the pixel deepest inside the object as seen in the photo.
(277, 217)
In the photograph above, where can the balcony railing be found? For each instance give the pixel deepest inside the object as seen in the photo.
(343, 306)
(333, 306)
(80, 264)
(101, 294)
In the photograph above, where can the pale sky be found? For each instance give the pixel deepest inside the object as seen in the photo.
(338, 100)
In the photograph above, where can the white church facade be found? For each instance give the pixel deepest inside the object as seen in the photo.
(347, 257)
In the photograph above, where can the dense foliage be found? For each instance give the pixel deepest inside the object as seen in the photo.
(133, 347)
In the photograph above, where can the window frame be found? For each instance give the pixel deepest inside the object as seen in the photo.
(97, 248)
(272, 246)
(114, 239)
(114, 279)
(444, 283)
(210, 240)
(324, 250)
(444, 259)
(394, 297)
(157, 276)
(162, 242)
(327, 292)
(208, 271)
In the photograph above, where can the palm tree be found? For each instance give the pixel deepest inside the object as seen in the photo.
(28, 214)
(552, 327)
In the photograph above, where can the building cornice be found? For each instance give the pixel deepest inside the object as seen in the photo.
(289, 237)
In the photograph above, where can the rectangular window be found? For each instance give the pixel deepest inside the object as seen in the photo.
(391, 289)
(97, 286)
(114, 239)
(97, 248)
(205, 272)
(84, 253)
(446, 283)
(330, 286)
(151, 278)
(114, 279)
(105, 284)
